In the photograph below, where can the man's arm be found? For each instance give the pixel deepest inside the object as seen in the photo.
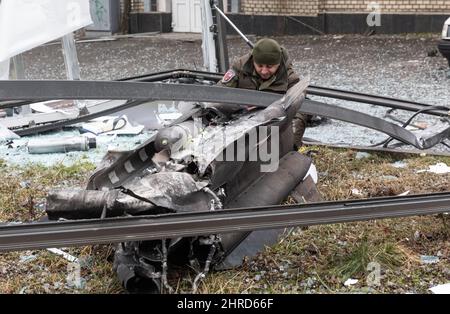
(230, 79)
(293, 77)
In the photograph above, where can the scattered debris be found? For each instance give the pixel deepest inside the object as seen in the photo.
(399, 164)
(429, 259)
(441, 289)
(166, 117)
(67, 256)
(25, 184)
(76, 283)
(309, 282)
(362, 155)
(111, 125)
(27, 258)
(44, 107)
(350, 282)
(6, 134)
(356, 192)
(421, 125)
(439, 168)
(389, 178)
(404, 193)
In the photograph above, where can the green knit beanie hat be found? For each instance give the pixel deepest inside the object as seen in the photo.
(267, 51)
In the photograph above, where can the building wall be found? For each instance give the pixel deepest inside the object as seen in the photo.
(387, 6)
(280, 7)
(137, 6)
(268, 17)
(313, 7)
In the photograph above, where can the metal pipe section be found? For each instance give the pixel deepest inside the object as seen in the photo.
(61, 145)
(74, 233)
(247, 41)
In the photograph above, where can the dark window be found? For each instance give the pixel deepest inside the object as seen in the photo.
(150, 5)
(153, 5)
(233, 6)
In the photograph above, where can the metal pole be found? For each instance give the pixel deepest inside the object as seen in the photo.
(209, 53)
(18, 73)
(70, 57)
(221, 39)
(247, 41)
(72, 65)
(4, 75)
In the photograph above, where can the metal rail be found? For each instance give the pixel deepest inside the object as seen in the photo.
(374, 100)
(145, 91)
(311, 90)
(40, 90)
(396, 150)
(110, 230)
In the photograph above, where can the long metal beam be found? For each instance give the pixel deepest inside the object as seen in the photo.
(145, 91)
(97, 231)
(362, 119)
(397, 150)
(311, 90)
(375, 100)
(40, 90)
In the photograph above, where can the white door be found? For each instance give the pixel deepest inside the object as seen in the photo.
(196, 16)
(186, 16)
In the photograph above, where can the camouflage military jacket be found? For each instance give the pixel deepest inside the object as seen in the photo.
(243, 75)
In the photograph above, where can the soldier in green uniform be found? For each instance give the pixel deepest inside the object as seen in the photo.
(267, 68)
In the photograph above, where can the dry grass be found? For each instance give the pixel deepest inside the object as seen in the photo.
(317, 259)
(23, 189)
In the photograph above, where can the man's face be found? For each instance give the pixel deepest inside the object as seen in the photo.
(265, 71)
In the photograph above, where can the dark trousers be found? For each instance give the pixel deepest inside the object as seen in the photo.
(298, 125)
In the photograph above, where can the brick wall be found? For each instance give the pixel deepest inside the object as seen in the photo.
(137, 6)
(387, 6)
(280, 7)
(313, 7)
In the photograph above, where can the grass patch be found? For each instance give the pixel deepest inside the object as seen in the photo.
(23, 189)
(355, 264)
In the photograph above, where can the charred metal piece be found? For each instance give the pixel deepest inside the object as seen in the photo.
(164, 192)
(193, 166)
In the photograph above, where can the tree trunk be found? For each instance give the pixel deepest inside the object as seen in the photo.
(125, 16)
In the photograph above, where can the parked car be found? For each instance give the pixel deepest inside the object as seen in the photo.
(444, 43)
